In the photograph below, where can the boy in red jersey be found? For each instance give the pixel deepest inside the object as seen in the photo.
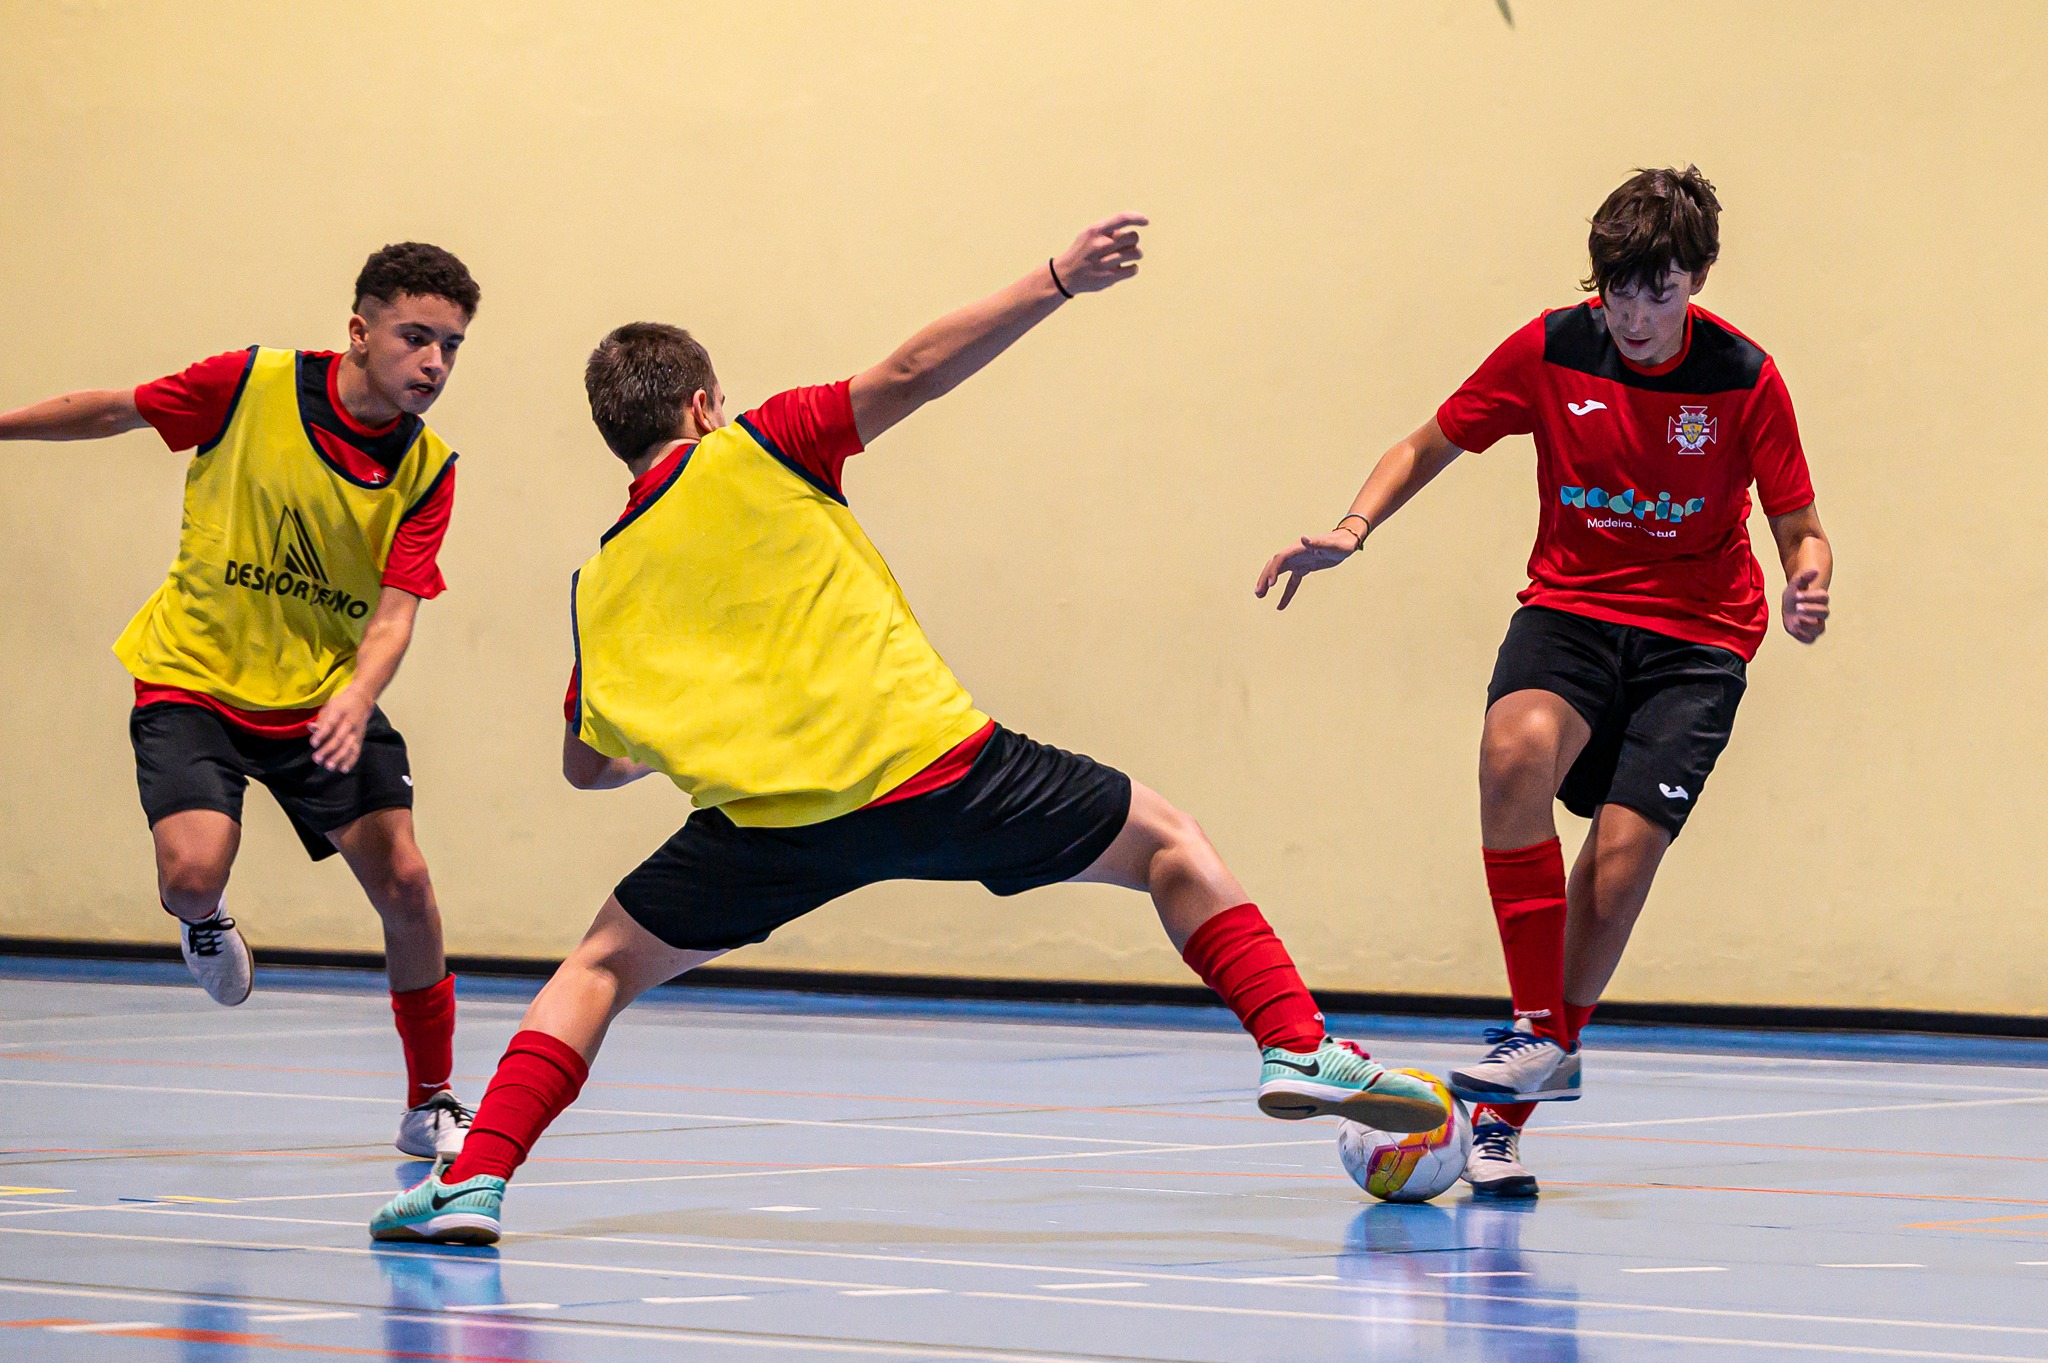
(315, 505)
(1616, 687)
(738, 632)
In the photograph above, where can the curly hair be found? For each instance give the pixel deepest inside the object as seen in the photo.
(1656, 220)
(640, 381)
(414, 267)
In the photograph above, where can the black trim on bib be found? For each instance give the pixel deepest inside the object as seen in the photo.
(248, 366)
(432, 488)
(652, 497)
(402, 437)
(798, 469)
(576, 647)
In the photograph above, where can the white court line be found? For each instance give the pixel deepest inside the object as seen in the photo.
(305, 1315)
(1311, 1281)
(1085, 1287)
(782, 1209)
(1566, 1331)
(1484, 1273)
(1703, 1268)
(489, 1307)
(106, 1328)
(1808, 1112)
(680, 1301)
(1870, 1265)
(895, 1292)
(234, 1038)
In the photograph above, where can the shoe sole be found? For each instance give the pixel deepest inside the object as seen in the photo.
(1515, 1186)
(1487, 1093)
(456, 1228)
(1382, 1111)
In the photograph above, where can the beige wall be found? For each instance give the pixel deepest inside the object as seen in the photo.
(1353, 203)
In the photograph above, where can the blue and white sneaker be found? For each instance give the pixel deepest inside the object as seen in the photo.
(1522, 1067)
(464, 1213)
(1337, 1079)
(1495, 1168)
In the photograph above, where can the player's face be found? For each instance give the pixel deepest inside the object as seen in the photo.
(408, 348)
(1648, 323)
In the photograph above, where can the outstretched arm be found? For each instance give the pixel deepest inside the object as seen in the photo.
(1809, 566)
(85, 415)
(959, 345)
(1402, 472)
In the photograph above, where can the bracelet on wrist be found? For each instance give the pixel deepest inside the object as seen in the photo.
(1360, 533)
(1053, 270)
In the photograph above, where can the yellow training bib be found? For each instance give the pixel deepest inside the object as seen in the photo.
(280, 559)
(739, 633)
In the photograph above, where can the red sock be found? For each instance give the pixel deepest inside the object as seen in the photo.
(1237, 955)
(537, 1079)
(426, 1029)
(1527, 885)
(1576, 1016)
(1515, 1115)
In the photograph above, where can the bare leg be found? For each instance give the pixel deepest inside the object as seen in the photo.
(195, 850)
(1609, 884)
(616, 962)
(1530, 741)
(1165, 853)
(381, 850)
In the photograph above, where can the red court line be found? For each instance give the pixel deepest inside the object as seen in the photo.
(1775, 1145)
(237, 1339)
(39, 1324)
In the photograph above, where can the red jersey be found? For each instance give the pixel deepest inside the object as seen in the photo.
(813, 429)
(1643, 474)
(190, 409)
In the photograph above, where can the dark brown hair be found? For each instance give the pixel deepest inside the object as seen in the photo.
(1656, 220)
(413, 267)
(641, 379)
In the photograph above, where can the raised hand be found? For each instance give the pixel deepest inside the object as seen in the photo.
(1312, 555)
(1804, 607)
(1102, 254)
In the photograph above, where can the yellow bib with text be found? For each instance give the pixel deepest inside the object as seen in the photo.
(280, 559)
(739, 633)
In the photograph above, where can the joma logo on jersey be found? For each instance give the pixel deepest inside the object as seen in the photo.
(295, 572)
(1693, 430)
(1632, 503)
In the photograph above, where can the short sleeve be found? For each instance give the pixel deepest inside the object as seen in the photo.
(1499, 399)
(575, 695)
(414, 562)
(811, 428)
(1776, 457)
(191, 407)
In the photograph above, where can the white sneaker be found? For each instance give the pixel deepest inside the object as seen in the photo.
(1521, 1068)
(1495, 1168)
(434, 1129)
(218, 958)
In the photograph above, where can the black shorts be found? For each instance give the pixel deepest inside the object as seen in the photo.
(1661, 709)
(1025, 815)
(188, 757)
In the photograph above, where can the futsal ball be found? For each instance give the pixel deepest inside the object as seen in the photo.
(1411, 1168)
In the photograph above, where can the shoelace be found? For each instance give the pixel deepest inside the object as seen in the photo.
(206, 936)
(447, 1102)
(1507, 1041)
(1496, 1139)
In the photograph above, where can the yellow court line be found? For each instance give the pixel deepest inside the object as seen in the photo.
(6, 1191)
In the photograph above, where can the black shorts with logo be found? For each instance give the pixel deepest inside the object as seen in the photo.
(1025, 815)
(1661, 709)
(188, 757)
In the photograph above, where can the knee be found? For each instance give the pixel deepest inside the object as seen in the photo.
(405, 889)
(191, 879)
(1179, 846)
(1518, 755)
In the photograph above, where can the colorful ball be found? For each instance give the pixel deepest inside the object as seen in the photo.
(1411, 1168)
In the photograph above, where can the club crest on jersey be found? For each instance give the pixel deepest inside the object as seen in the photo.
(1693, 430)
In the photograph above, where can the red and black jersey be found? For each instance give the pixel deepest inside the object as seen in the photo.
(1643, 474)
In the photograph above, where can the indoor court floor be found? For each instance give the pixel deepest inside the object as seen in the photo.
(757, 1175)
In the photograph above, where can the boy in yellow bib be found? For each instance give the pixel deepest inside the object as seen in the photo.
(738, 633)
(315, 505)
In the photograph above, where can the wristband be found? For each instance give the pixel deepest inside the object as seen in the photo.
(1354, 516)
(1064, 293)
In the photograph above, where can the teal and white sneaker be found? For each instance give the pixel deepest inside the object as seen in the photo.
(464, 1213)
(1337, 1079)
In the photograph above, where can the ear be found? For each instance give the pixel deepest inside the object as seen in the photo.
(1699, 281)
(701, 417)
(358, 334)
